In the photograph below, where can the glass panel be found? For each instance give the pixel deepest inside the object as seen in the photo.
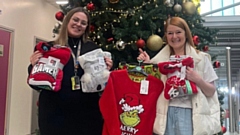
(229, 11)
(205, 6)
(237, 8)
(216, 4)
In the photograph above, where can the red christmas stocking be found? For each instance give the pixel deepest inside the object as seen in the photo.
(47, 74)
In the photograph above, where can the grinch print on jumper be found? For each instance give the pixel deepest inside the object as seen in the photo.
(127, 111)
(131, 110)
(47, 73)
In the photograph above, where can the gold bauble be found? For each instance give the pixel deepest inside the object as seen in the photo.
(189, 8)
(154, 43)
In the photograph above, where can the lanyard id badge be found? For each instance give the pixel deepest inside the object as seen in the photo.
(75, 82)
(75, 79)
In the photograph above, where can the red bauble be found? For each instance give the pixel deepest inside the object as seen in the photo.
(92, 28)
(90, 6)
(140, 43)
(59, 16)
(216, 64)
(196, 40)
(224, 129)
(205, 48)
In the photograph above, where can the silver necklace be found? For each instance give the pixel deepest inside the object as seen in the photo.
(74, 44)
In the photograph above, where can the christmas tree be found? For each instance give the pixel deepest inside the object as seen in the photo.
(123, 26)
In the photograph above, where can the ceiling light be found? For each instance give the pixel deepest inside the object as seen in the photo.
(62, 2)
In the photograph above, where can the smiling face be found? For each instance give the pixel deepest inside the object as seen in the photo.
(176, 37)
(177, 34)
(77, 25)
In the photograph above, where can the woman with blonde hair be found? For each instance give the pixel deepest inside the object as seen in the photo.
(197, 114)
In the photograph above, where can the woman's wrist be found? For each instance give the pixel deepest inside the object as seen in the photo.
(146, 61)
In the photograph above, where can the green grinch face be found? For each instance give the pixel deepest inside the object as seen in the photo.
(130, 118)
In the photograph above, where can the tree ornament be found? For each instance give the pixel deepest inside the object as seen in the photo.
(120, 45)
(110, 39)
(177, 8)
(169, 3)
(113, 1)
(224, 129)
(196, 40)
(154, 43)
(205, 48)
(92, 28)
(140, 43)
(136, 23)
(57, 25)
(189, 8)
(223, 114)
(216, 64)
(90, 6)
(59, 16)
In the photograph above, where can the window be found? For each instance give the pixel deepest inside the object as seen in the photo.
(210, 5)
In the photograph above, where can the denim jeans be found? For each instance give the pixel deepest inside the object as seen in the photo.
(179, 121)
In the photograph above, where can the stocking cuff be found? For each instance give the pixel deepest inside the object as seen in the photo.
(52, 61)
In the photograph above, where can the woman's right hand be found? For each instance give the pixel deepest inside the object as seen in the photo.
(34, 58)
(143, 56)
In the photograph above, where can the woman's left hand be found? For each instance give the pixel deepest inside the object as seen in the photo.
(192, 75)
(109, 62)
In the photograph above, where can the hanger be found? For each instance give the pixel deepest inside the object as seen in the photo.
(138, 69)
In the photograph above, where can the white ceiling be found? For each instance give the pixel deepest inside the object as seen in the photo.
(52, 2)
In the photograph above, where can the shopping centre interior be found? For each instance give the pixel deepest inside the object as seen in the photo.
(221, 14)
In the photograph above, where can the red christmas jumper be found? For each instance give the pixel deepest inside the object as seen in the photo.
(125, 110)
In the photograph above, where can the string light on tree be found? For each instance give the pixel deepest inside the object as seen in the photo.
(136, 23)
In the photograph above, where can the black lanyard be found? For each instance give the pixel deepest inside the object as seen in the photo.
(75, 61)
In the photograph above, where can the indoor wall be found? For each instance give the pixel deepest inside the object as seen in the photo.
(27, 19)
